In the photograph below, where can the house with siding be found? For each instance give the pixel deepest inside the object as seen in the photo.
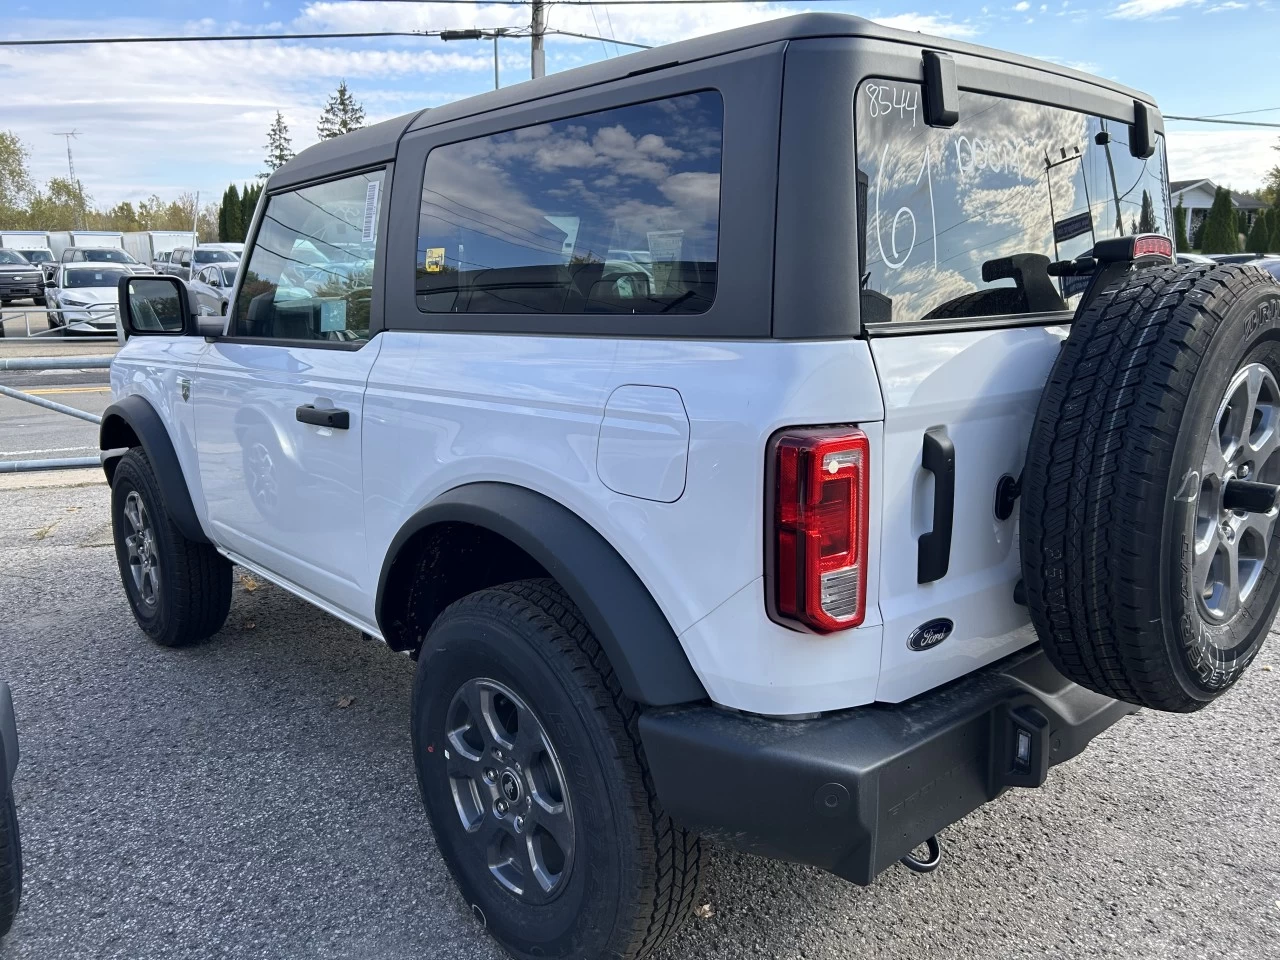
(1197, 198)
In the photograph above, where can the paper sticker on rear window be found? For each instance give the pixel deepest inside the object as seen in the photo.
(433, 259)
(370, 232)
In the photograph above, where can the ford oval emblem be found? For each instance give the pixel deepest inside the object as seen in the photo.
(929, 635)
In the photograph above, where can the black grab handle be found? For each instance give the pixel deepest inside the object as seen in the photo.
(939, 458)
(324, 416)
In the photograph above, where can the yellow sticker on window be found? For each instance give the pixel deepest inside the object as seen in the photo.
(433, 260)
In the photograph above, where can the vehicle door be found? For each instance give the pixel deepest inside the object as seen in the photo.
(960, 225)
(279, 399)
(208, 301)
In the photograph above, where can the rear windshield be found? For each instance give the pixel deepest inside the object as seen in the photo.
(962, 222)
(214, 256)
(105, 255)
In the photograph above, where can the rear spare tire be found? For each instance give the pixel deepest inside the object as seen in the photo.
(1142, 583)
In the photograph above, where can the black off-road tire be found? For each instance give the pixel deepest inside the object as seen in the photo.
(194, 592)
(1112, 486)
(10, 864)
(634, 875)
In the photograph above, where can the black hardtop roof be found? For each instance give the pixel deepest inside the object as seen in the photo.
(377, 144)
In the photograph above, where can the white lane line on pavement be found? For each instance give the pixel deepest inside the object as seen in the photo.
(31, 453)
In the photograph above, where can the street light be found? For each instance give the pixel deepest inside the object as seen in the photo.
(477, 34)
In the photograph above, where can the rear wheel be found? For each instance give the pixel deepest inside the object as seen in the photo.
(179, 590)
(531, 770)
(1152, 571)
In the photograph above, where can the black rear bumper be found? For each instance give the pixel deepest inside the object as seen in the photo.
(853, 792)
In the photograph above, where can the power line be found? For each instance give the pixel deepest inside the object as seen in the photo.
(1238, 113)
(78, 41)
(587, 36)
(1234, 123)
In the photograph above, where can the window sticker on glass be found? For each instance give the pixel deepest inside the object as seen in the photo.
(370, 232)
(333, 315)
(963, 222)
(433, 259)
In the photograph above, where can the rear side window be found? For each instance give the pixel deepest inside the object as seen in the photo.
(309, 275)
(614, 212)
(963, 222)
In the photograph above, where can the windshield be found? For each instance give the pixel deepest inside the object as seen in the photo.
(964, 221)
(12, 256)
(229, 275)
(85, 277)
(213, 256)
(38, 256)
(107, 255)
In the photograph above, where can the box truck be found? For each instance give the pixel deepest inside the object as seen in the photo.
(145, 246)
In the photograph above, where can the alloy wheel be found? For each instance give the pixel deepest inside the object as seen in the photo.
(1231, 546)
(140, 542)
(509, 790)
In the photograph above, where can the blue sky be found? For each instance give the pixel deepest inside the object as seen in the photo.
(163, 119)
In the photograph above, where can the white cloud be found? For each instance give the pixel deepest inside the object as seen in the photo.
(938, 26)
(1229, 5)
(1142, 9)
(1235, 158)
(1022, 6)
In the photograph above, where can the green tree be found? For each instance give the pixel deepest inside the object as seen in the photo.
(248, 204)
(1242, 223)
(1275, 231)
(1260, 236)
(61, 205)
(1147, 220)
(15, 180)
(279, 145)
(342, 114)
(230, 226)
(1180, 228)
(1219, 234)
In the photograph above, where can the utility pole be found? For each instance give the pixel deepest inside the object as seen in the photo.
(537, 55)
(71, 170)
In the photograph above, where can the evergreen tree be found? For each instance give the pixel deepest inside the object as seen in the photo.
(1147, 221)
(248, 203)
(230, 226)
(1242, 223)
(1220, 227)
(1275, 231)
(279, 145)
(342, 114)
(1180, 228)
(1260, 235)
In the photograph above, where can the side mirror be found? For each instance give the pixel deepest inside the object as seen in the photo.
(50, 283)
(154, 306)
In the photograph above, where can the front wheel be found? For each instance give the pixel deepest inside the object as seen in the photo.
(532, 772)
(179, 590)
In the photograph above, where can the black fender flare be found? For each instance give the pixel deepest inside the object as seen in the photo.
(635, 634)
(140, 417)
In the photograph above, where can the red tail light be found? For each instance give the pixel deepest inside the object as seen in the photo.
(819, 519)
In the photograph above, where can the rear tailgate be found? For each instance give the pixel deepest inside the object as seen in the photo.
(959, 226)
(977, 391)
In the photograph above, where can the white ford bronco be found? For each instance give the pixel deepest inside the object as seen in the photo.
(793, 437)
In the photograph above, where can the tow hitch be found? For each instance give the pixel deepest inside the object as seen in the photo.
(925, 866)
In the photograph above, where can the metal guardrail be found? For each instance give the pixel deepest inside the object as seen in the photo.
(51, 363)
(95, 311)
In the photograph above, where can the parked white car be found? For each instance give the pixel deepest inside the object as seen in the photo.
(84, 297)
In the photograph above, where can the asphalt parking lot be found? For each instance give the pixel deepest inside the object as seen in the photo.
(220, 802)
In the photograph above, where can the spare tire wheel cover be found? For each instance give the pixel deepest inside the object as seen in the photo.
(1142, 585)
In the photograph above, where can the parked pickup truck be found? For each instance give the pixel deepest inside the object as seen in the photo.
(893, 463)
